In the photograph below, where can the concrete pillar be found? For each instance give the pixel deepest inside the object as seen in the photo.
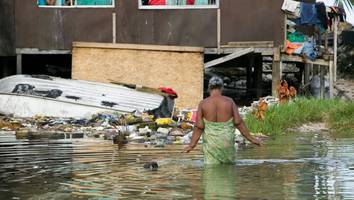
(19, 64)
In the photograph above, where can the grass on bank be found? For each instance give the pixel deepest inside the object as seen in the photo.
(337, 114)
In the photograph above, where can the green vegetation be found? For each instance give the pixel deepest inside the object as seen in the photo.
(337, 114)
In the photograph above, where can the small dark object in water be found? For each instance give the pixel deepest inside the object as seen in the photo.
(107, 103)
(351, 168)
(120, 139)
(151, 166)
(73, 97)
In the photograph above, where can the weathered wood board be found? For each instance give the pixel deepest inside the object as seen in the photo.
(180, 68)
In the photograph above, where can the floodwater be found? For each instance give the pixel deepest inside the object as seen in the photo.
(293, 166)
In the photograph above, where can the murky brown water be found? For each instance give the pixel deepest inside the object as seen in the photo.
(301, 166)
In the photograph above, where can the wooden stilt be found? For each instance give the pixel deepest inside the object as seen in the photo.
(276, 71)
(331, 78)
(258, 71)
(114, 28)
(249, 66)
(307, 73)
(335, 48)
(322, 82)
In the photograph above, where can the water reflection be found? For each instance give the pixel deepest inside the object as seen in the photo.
(295, 166)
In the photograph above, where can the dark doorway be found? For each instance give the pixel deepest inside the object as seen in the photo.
(58, 65)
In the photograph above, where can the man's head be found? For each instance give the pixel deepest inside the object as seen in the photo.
(215, 83)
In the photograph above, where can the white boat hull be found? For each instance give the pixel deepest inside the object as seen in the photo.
(27, 96)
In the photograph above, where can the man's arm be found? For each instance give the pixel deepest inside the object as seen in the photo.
(241, 126)
(197, 131)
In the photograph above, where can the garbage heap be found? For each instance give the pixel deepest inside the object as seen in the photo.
(135, 127)
(121, 128)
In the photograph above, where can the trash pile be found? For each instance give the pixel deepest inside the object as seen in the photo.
(135, 127)
(121, 128)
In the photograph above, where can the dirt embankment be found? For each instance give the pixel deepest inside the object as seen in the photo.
(345, 89)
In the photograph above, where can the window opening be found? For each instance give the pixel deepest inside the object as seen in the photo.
(75, 3)
(178, 4)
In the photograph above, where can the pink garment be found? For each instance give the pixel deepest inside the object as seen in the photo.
(194, 116)
(157, 2)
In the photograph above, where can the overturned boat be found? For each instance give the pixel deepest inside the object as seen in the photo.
(31, 95)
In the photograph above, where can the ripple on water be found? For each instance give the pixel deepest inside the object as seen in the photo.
(313, 167)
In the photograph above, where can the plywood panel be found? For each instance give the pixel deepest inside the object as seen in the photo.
(182, 71)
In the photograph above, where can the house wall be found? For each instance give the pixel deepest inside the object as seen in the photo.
(180, 68)
(252, 20)
(57, 28)
(7, 28)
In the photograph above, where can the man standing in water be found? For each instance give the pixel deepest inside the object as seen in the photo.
(217, 117)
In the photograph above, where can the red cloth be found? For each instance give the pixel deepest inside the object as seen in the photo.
(190, 2)
(157, 2)
(169, 91)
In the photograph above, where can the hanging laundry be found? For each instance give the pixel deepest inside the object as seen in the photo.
(175, 2)
(291, 47)
(190, 2)
(309, 14)
(59, 2)
(292, 7)
(309, 50)
(201, 2)
(93, 2)
(336, 11)
(322, 14)
(157, 2)
(296, 37)
(41, 3)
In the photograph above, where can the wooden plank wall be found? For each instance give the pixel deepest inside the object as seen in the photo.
(57, 28)
(7, 28)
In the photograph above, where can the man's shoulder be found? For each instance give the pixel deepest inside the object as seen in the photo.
(228, 99)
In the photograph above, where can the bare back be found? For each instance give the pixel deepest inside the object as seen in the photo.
(217, 109)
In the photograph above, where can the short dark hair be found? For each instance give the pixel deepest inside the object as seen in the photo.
(215, 83)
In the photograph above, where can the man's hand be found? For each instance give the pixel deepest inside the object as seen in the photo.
(257, 141)
(187, 149)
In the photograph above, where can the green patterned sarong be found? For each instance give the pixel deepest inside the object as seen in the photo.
(218, 142)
